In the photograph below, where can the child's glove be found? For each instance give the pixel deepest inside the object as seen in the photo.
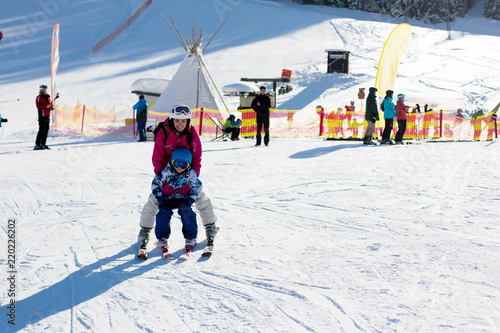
(185, 190)
(167, 189)
(165, 203)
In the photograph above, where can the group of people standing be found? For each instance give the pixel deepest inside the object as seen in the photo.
(391, 111)
(261, 104)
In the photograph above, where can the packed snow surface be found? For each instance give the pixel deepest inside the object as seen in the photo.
(316, 236)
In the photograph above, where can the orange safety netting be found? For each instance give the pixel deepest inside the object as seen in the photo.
(428, 125)
(85, 119)
(292, 123)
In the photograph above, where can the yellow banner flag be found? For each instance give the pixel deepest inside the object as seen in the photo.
(391, 56)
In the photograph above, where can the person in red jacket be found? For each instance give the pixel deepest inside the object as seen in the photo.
(44, 106)
(402, 109)
(1, 35)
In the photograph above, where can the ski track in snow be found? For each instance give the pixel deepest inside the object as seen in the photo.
(316, 236)
(313, 252)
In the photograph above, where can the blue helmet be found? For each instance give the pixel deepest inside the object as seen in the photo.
(181, 158)
(372, 89)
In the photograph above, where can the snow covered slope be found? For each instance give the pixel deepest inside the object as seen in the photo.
(316, 236)
(259, 39)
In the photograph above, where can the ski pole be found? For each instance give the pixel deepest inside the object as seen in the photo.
(3, 128)
(33, 122)
(10, 100)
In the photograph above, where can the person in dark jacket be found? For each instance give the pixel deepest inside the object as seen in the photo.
(3, 120)
(261, 104)
(371, 116)
(141, 108)
(44, 106)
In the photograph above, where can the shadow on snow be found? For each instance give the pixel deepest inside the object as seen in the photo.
(85, 284)
(316, 152)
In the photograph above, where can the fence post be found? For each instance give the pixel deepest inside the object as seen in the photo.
(201, 122)
(133, 122)
(441, 123)
(83, 117)
(321, 112)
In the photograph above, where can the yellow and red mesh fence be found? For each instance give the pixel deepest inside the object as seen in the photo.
(291, 123)
(85, 119)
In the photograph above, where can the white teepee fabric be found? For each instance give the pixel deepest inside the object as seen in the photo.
(190, 86)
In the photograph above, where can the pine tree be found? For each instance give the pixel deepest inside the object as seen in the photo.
(395, 8)
(336, 3)
(429, 11)
(492, 9)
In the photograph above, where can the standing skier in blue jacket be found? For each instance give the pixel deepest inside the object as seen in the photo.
(141, 116)
(389, 114)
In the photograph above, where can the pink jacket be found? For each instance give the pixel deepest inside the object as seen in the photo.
(402, 109)
(163, 151)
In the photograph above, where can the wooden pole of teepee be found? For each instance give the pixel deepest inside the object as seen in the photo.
(213, 83)
(219, 29)
(179, 38)
(175, 26)
(193, 28)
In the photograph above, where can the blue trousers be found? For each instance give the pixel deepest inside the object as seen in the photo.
(188, 219)
(141, 128)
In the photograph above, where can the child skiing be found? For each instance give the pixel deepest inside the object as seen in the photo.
(176, 187)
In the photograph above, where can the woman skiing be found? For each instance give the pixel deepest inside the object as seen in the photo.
(174, 133)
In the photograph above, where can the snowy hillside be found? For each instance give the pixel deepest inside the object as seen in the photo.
(316, 236)
(259, 40)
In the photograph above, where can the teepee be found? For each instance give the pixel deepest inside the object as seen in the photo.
(192, 84)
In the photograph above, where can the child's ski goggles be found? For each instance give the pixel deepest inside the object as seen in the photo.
(180, 164)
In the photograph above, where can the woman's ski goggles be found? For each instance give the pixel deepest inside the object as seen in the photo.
(180, 164)
(181, 110)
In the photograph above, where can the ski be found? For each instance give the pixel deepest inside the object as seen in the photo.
(187, 252)
(209, 249)
(143, 254)
(166, 254)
